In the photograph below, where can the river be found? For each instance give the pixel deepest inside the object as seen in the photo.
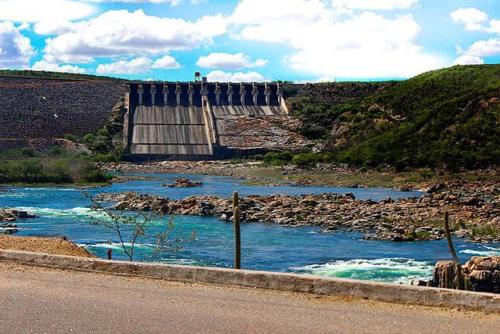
(308, 250)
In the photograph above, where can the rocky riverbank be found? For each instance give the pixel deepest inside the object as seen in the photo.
(474, 211)
(258, 173)
(480, 274)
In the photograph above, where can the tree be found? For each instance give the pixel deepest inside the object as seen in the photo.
(131, 228)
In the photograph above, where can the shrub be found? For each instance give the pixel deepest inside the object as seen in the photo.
(93, 174)
(306, 159)
(57, 151)
(59, 171)
(89, 139)
(278, 158)
(71, 137)
(28, 152)
(51, 171)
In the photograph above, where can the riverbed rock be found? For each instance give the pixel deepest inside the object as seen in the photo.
(11, 215)
(396, 220)
(184, 183)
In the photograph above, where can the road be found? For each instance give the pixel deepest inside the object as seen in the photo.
(39, 300)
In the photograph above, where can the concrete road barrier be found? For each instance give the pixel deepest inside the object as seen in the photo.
(267, 280)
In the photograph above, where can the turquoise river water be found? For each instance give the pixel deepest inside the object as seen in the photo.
(308, 250)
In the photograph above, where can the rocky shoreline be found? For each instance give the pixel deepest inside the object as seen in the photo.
(336, 175)
(480, 273)
(473, 208)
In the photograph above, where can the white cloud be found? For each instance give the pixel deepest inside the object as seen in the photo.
(494, 27)
(117, 33)
(228, 61)
(374, 4)
(477, 51)
(326, 42)
(43, 10)
(54, 27)
(166, 62)
(15, 48)
(474, 19)
(486, 48)
(43, 65)
(221, 76)
(471, 18)
(135, 66)
(468, 60)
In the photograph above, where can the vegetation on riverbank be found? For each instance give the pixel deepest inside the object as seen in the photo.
(55, 166)
(446, 118)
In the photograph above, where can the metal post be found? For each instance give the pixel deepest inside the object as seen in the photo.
(237, 232)
(448, 236)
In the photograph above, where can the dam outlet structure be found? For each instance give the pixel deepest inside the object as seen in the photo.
(199, 120)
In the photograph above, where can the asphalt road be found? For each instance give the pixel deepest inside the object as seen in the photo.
(37, 300)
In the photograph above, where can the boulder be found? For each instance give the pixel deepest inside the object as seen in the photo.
(483, 273)
(184, 183)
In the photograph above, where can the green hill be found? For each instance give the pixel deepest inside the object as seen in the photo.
(447, 118)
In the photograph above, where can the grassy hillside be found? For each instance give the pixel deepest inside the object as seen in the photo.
(447, 118)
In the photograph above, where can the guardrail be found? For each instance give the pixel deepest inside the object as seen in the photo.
(267, 280)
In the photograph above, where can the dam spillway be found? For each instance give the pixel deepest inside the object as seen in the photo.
(196, 120)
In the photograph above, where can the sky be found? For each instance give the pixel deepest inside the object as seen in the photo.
(248, 40)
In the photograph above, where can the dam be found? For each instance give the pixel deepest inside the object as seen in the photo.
(200, 120)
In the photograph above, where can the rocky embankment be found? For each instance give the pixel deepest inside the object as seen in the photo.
(480, 274)
(483, 273)
(8, 218)
(475, 212)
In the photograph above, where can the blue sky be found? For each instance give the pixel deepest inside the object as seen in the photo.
(249, 40)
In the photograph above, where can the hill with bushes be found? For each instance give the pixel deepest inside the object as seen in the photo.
(52, 105)
(444, 118)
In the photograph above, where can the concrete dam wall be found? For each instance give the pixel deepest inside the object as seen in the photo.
(198, 120)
